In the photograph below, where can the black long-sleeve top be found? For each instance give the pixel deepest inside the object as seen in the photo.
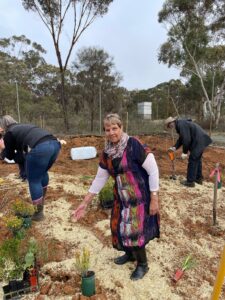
(192, 137)
(21, 136)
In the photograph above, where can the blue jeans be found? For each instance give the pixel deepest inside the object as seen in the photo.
(194, 171)
(38, 161)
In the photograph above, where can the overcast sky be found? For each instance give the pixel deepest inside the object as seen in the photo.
(130, 33)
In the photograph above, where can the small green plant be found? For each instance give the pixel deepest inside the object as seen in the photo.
(106, 194)
(31, 253)
(7, 269)
(82, 261)
(188, 263)
(22, 208)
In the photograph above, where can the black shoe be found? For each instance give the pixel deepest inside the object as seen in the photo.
(121, 260)
(188, 183)
(139, 272)
(199, 181)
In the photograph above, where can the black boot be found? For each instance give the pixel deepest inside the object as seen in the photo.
(188, 183)
(139, 272)
(121, 260)
(142, 264)
(199, 181)
(39, 213)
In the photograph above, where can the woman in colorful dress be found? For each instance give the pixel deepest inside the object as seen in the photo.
(135, 213)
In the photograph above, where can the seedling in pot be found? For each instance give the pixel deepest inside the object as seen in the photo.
(82, 261)
(187, 264)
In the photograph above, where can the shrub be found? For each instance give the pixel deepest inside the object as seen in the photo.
(22, 208)
(11, 263)
(13, 222)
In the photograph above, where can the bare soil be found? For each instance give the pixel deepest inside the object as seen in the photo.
(186, 228)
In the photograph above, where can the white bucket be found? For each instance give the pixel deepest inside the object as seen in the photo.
(83, 153)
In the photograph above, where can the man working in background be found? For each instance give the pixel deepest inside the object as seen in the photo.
(194, 140)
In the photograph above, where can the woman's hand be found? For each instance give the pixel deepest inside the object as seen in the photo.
(79, 212)
(154, 205)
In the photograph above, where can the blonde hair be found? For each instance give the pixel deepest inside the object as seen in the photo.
(112, 119)
(6, 121)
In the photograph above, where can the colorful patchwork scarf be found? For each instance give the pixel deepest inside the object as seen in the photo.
(116, 150)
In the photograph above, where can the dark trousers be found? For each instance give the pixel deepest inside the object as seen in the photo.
(22, 170)
(194, 170)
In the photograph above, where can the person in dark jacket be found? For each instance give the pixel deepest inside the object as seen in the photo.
(194, 140)
(21, 165)
(38, 148)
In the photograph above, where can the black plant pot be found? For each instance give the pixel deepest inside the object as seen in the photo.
(13, 285)
(6, 289)
(106, 204)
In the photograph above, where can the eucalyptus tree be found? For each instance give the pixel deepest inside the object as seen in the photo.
(19, 60)
(54, 14)
(95, 74)
(195, 46)
(23, 55)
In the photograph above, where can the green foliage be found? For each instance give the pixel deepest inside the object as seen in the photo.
(11, 263)
(106, 194)
(95, 74)
(188, 263)
(196, 49)
(13, 222)
(31, 253)
(22, 208)
(9, 248)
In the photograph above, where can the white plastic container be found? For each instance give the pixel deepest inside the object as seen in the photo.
(83, 153)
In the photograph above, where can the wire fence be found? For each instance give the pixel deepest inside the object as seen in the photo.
(133, 124)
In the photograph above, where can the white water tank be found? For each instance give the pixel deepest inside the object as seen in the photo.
(83, 152)
(145, 109)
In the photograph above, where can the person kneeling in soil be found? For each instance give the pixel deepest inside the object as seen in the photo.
(193, 139)
(40, 150)
(135, 213)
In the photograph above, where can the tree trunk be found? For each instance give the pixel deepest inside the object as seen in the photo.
(64, 101)
(92, 120)
(218, 101)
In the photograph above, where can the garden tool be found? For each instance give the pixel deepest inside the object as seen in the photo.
(171, 155)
